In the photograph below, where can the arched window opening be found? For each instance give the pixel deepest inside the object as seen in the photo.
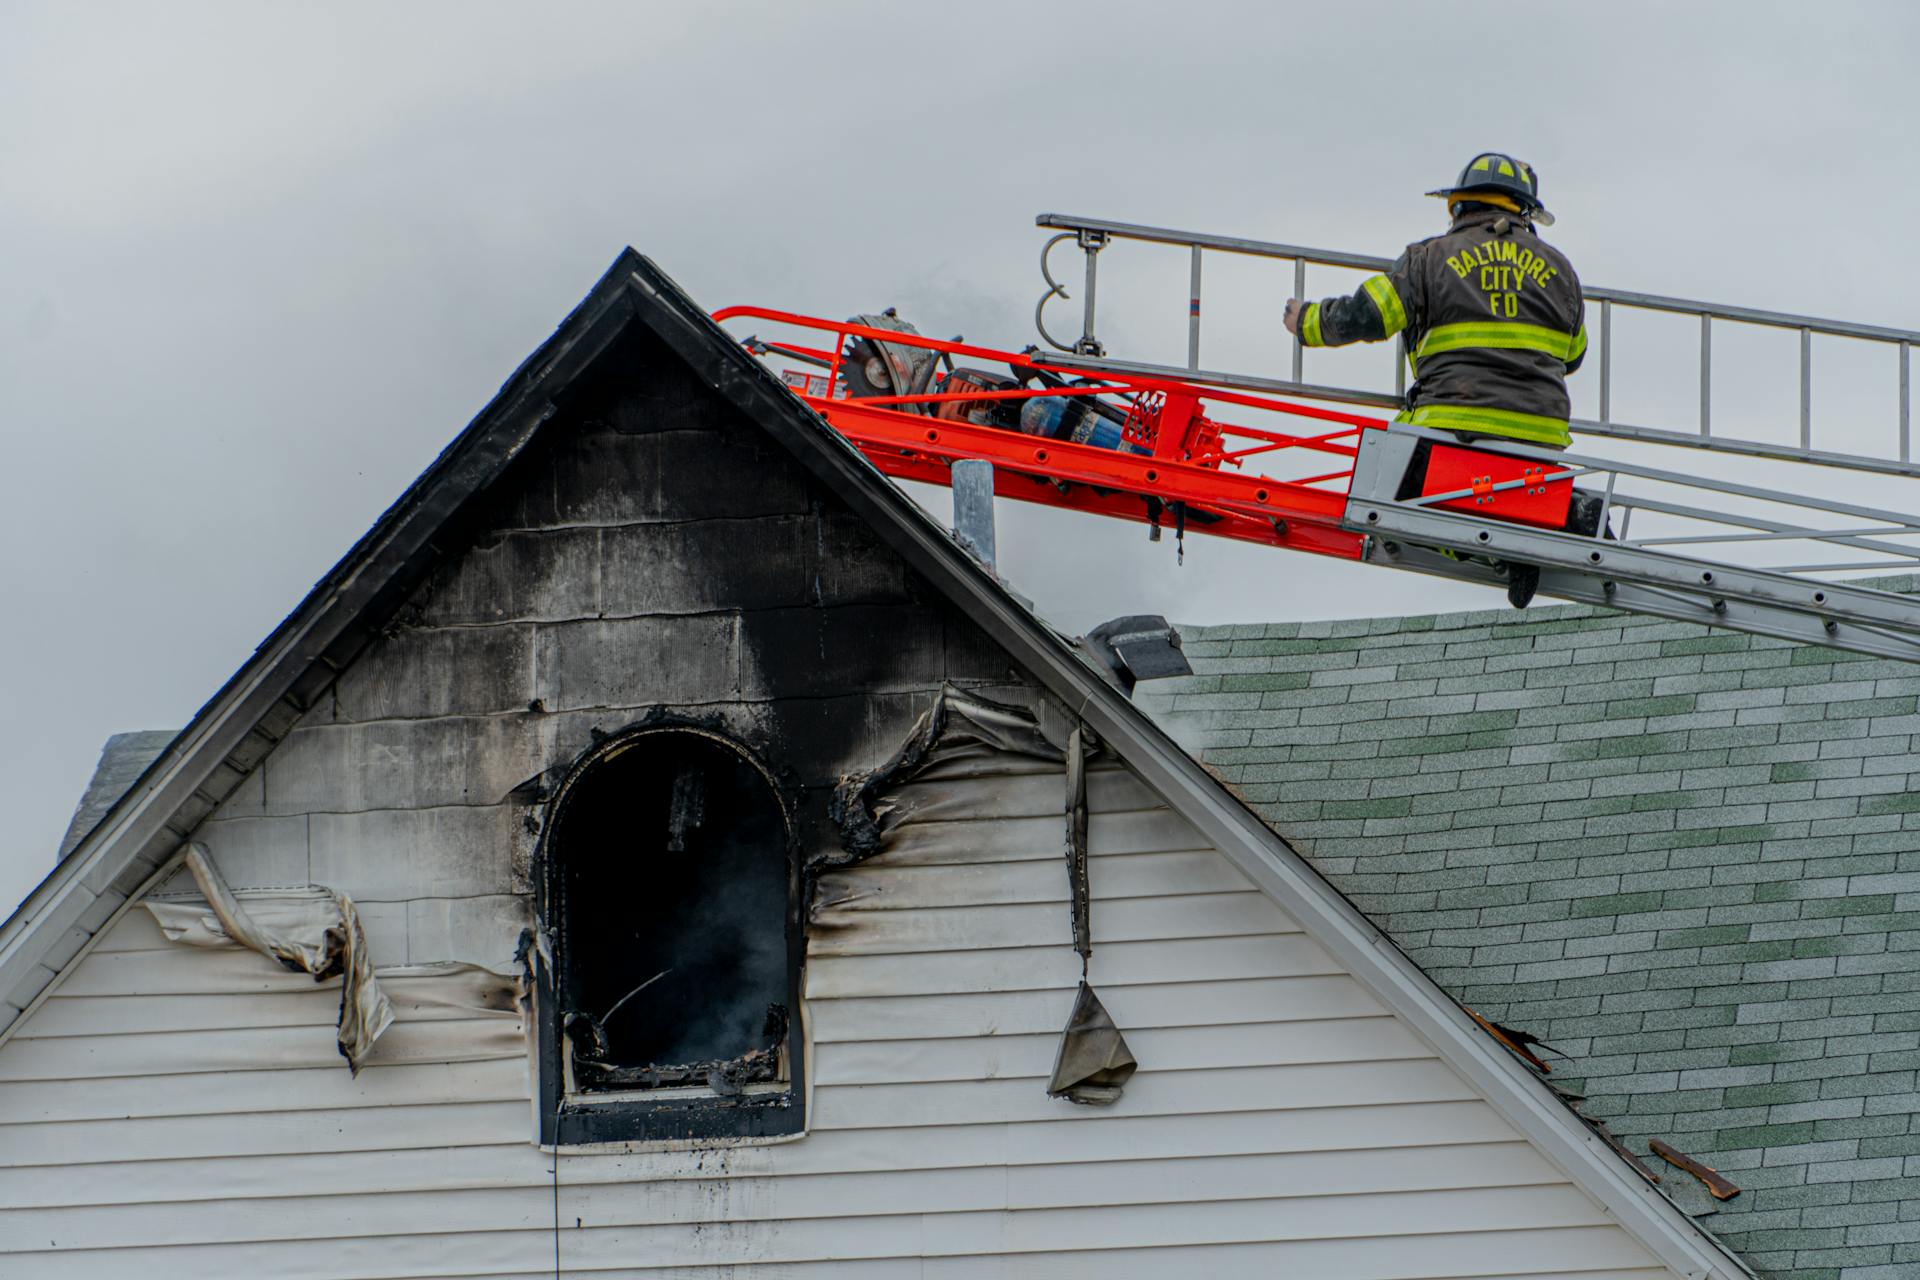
(669, 885)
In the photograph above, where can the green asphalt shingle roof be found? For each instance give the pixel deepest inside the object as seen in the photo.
(1690, 859)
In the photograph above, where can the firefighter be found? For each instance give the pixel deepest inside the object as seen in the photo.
(1491, 317)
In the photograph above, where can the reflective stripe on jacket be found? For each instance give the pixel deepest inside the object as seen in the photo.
(1493, 322)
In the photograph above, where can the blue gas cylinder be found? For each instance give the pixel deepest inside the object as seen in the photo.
(1072, 418)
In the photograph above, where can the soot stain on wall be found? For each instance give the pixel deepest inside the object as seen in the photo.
(677, 566)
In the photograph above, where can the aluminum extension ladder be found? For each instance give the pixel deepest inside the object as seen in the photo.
(1707, 550)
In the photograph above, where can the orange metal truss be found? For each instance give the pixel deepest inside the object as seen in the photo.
(1179, 462)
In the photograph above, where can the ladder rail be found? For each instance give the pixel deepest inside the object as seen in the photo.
(1100, 232)
(1886, 519)
(1838, 537)
(1712, 585)
(1793, 625)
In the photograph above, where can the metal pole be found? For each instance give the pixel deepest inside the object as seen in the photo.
(1606, 361)
(1193, 312)
(973, 507)
(1806, 388)
(1088, 344)
(1906, 401)
(1300, 296)
(1706, 375)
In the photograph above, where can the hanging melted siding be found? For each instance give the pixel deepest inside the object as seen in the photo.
(173, 1112)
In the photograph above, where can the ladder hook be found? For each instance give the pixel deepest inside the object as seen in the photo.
(1054, 289)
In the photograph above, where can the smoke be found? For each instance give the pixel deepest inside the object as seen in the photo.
(1191, 731)
(680, 951)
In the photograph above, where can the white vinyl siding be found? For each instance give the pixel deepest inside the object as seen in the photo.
(177, 1112)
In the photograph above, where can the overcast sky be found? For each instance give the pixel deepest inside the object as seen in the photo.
(259, 263)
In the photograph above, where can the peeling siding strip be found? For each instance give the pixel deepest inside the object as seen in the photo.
(319, 933)
(1077, 750)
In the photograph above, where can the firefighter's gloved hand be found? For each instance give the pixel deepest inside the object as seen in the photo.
(1293, 315)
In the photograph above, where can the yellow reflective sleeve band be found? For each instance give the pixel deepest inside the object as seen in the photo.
(1310, 325)
(1506, 336)
(1579, 347)
(1387, 299)
(1533, 428)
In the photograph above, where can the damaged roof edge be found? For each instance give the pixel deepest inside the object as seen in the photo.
(147, 825)
(1249, 843)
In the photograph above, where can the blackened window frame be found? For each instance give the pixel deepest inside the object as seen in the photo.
(581, 1119)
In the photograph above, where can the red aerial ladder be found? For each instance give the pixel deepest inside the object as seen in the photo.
(1307, 467)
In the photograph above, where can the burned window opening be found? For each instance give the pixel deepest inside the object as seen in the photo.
(726, 1077)
(668, 891)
